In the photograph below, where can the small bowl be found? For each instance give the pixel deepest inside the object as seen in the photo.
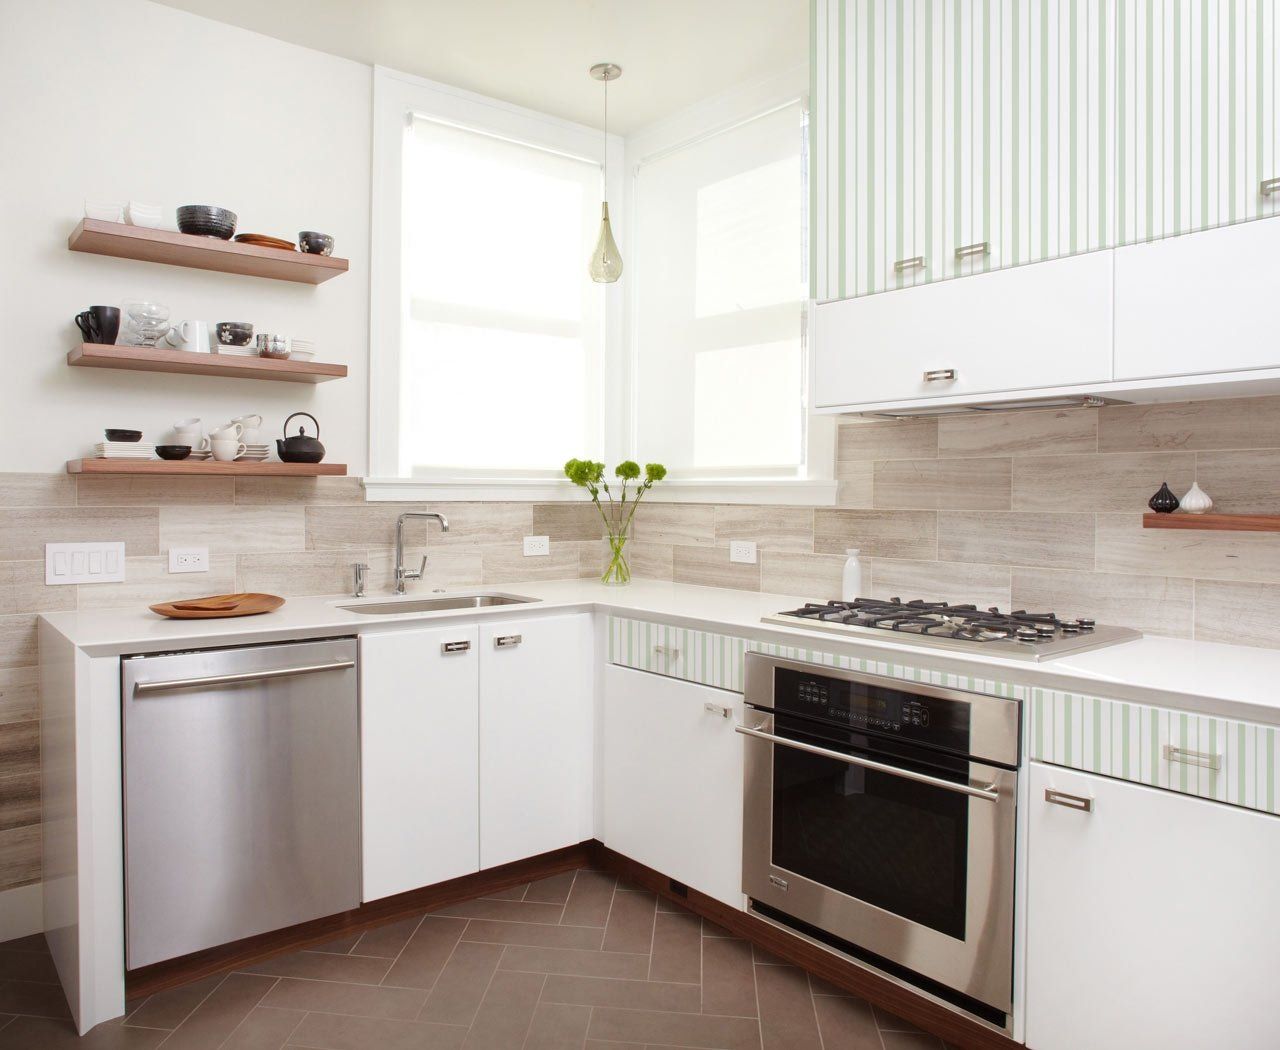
(173, 451)
(124, 435)
(204, 220)
(276, 346)
(234, 333)
(315, 243)
(301, 355)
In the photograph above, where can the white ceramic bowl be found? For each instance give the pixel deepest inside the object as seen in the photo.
(301, 355)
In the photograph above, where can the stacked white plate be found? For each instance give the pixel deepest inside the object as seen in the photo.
(107, 211)
(123, 450)
(200, 453)
(256, 453)
(236, 351)
(138, 214)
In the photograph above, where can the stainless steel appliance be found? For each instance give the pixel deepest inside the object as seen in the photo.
(1021, 634)
(879, 821)
(241, 793)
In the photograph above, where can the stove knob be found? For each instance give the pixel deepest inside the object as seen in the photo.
(1086, 624)
(1045, 628)
(1027, 632)
(1070, 627)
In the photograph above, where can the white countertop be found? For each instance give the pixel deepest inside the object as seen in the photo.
(1208, 677)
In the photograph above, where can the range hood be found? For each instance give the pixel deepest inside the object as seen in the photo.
(1012, 405)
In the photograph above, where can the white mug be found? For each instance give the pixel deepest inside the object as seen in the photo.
(189, 335)
(227, 432)
(188, 432)
(249, 424)
(226, 451)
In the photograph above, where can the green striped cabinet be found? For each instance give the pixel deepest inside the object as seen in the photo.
(953, 137)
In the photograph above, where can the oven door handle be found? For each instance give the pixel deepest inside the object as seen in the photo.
(991, 793)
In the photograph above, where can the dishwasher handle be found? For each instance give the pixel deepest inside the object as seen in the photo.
(147, 688)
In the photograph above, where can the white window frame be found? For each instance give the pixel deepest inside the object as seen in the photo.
(397, 97)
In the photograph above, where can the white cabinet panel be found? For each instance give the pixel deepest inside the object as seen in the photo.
(672, 779)
(1016, 329)
(1200, 303)
(536, 736)
(1152, 920)
(418, 758)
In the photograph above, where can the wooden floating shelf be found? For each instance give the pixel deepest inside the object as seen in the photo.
(122, 241)
(183, 362)
(206, 467)
(1214, 522)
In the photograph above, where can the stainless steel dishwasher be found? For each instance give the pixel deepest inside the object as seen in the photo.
(241, 793)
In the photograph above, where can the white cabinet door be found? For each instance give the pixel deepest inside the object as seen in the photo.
(1020, 329)
(536, 736)
(1151, 921)
(418, 766)
(1198, 303)
(672, 779)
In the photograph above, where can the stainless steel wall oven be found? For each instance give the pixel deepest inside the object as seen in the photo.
(879, 820)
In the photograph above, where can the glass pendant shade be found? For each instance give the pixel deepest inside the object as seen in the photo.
(606, 260)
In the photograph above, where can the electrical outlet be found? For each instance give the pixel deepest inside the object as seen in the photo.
(83, 563)
(537, 546)
(188, 559)
(743, 551)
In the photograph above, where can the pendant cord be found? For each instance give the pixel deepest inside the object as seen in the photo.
(605, 166)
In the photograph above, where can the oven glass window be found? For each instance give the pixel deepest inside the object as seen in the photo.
(895, 843)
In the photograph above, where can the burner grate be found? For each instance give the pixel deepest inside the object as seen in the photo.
(963, 622)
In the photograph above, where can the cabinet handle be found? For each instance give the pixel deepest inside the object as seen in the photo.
(1191, 758)
(663, 650)
(940, 375)
(916, 262)
(968, 251)
(717, 709)
(1269, 187)
(1061, 798)
(506, 641)
(454, 647)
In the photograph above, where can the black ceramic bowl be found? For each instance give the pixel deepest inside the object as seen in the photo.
(124, 435)
(173, 451)
(234, 333)
(204, 220)
(315, 243)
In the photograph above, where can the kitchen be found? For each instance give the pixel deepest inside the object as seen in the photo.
(504, 747)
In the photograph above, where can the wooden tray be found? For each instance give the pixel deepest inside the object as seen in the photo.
(219, 606)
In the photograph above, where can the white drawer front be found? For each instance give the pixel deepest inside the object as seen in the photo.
(678, 652)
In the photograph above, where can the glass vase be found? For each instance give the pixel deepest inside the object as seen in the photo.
(618, 571)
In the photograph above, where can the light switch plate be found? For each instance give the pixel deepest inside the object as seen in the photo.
(743, 551)
(537, 546)
(188, 559)
(83, 563)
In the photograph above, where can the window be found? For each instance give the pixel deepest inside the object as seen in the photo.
(719, 301)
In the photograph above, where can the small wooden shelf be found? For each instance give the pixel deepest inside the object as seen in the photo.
(1214, 522)
(122, 241)
(156, 359)
(189, 467)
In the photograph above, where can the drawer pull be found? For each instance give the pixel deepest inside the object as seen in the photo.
(717, 709)
(667, 651)
(916, 262)
(969, 251)
(454, 647)
(1269, 187)
(1191, 758)
(506, 641)
(940, 375)
(1061, 798)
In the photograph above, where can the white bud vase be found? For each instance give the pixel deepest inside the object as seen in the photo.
(1196, 501)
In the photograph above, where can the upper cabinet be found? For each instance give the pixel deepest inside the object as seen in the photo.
(953, 138)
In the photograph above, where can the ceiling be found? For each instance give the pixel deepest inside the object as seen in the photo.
(536, 53)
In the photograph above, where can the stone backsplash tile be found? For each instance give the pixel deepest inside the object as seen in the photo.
(19, 694)
(232, 529)
(814, 577)
(148, 581)
(22, 589)
(19, 800)
(567, 521)
(983, 585)
(1243, 482)
(1152, 604)
(1124, 546)
(679, 523)
(20, 856)
(770, 528)
(1120, 482)
(37, 490)
(25, 531)
(1059, 541)
(711, 567)
(876, 533)
(1239, 613)
(1052, 432)
(942, 484)
(144, 491)
(1226, 423)
(18, 646)
(888, 439)
(309, 491)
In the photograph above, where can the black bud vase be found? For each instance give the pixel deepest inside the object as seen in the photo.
(1164, 501)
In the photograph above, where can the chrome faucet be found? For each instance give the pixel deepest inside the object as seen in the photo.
(403, 574)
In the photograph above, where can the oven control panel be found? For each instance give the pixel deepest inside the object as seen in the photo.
(874, 708)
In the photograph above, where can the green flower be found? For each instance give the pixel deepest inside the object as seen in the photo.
(654, 472)
(628, 470)
(584, 472)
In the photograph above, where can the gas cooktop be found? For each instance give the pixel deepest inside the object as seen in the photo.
(1020, 634)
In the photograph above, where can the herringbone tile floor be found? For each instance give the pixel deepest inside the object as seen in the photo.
(572, 962)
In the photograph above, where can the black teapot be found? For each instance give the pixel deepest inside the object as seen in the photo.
(300, 448)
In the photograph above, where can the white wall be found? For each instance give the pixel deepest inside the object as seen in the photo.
(119, 99)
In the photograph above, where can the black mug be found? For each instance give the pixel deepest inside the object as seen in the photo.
(99, 324)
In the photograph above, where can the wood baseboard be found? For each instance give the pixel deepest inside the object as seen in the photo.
(174, 972)
(955, 1029)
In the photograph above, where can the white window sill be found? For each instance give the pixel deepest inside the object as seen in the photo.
(774, 491)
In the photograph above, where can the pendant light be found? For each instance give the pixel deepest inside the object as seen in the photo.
(606, 260)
